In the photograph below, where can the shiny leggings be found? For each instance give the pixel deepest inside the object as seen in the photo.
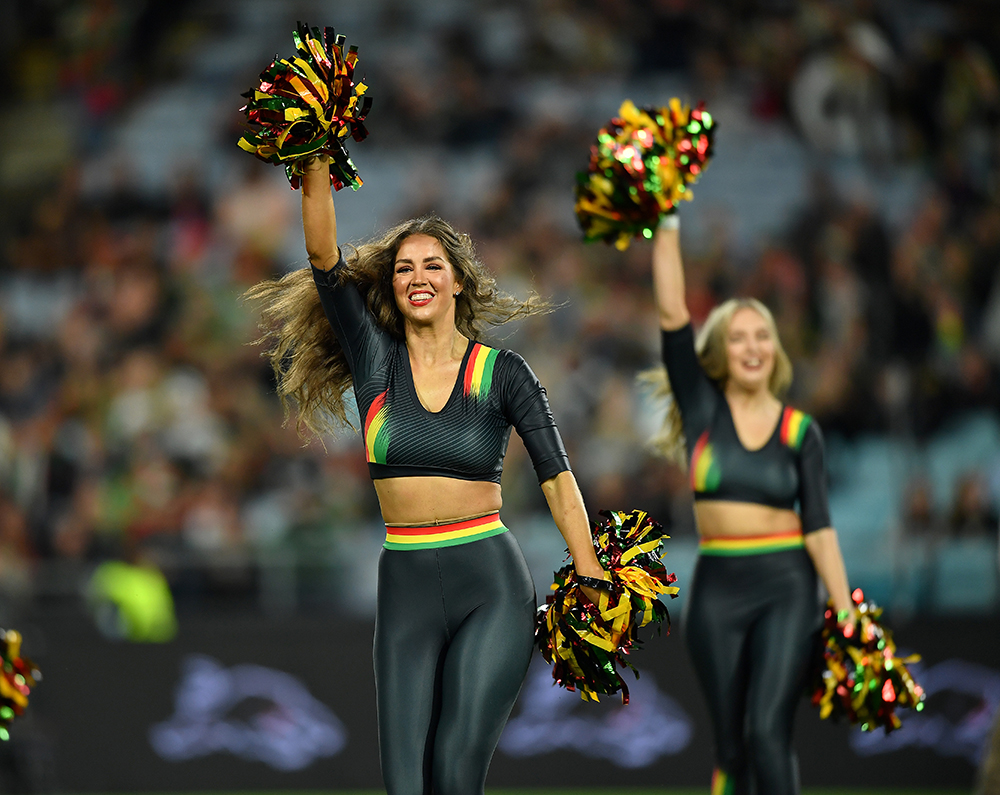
(453, 638)
(751, 624)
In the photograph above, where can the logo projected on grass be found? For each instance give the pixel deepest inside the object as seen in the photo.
(962, 702)
(250, 711)
(551, 718)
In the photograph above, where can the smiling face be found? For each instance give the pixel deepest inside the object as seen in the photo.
(750, 350)
(423, 281)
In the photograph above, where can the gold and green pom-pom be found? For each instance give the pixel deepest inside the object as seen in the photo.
(17, 676)
(641, 166)
(308, 105)
(586, 644)
(862, 679)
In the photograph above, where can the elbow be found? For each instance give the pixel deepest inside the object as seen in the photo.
(674, 317)
(323, 259)
(553, 486)
(819, 543)
(316, 258)
(549, 486)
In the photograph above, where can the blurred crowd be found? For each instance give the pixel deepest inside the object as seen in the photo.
(138, 423)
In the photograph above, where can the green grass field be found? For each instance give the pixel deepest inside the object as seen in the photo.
(604, 791)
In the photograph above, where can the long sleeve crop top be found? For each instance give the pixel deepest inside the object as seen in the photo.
(495, 390)
(787, 472)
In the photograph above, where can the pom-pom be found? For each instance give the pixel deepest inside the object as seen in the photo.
(587, 643)
(641, 166)
(17, 677)
(862, 678)
(307, 106)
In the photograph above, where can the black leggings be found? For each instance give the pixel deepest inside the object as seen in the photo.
(453, 638)
(751, 624)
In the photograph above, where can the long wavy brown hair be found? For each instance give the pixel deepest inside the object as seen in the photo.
(309, 364)
(710, 345)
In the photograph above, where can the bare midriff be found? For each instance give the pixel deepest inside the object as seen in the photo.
(435, 500)
(721, 518)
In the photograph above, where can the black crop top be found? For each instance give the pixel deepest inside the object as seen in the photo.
(467, 439)
(786, 471)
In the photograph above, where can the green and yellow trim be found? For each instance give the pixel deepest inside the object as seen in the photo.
(377, 430)
(705, 473)
(750, 545)
(722, 783)
(794, 425)
(444, 535)
(479, 371)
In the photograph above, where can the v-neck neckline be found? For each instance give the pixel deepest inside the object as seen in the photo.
(736, 433)
(412, 387)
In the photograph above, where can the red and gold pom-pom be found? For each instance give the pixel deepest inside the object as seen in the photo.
(307, 106)
(862, 678)
(586, 643)
(17, 676)
(641, 166)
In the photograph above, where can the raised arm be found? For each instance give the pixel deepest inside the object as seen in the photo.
(696, 396)
(668, 277)
(319, 219)
(364, 342)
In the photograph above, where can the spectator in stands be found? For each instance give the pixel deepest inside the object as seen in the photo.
(972, 514)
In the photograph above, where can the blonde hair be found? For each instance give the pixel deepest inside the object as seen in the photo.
(309, 364)
(710, 347)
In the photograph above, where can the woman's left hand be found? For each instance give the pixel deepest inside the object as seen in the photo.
(594, 594)
(847, 618)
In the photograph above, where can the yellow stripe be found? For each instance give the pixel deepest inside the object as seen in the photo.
(738, 546)
(477, 370)
(306, 93)
(701, 468)
(294, 114)
(317, 83)
(319, 56)
(794, 423)
(638, 549)
(423, 539)
(741, 543)
(376, 425)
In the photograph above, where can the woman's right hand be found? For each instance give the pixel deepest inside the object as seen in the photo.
(316, 163)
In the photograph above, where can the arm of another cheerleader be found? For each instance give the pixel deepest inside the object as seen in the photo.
(668, 275)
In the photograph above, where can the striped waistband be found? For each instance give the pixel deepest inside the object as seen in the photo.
(750, 545)
(444, 535)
